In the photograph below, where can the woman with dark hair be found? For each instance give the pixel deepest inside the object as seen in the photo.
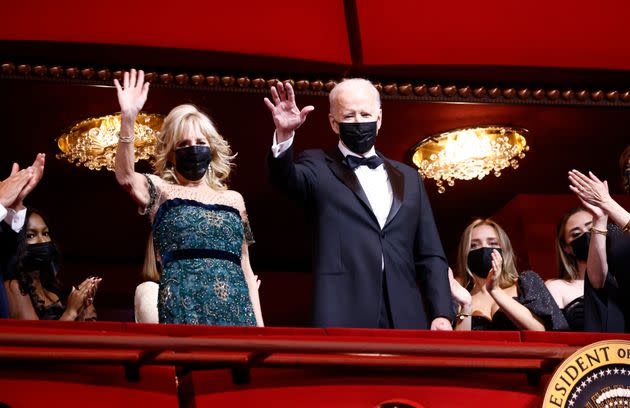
(500, 297)
(34, 289)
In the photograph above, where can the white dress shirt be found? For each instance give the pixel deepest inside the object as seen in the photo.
(374, 182)
(14, 218)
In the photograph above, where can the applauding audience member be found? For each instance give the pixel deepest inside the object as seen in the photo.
(34, 289)
(500, 298)
(13, 191)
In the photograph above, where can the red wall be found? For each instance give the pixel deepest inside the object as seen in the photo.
(536, 33)
(282, 28)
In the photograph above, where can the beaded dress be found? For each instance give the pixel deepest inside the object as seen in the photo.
(199, 235)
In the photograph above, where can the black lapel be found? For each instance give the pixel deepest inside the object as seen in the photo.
(347, 177)
(397, 182)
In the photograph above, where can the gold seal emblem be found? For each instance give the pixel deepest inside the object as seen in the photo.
(596, 376)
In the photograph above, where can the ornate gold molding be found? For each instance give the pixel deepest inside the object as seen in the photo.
(389, 90)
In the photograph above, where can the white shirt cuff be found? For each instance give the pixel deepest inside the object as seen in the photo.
(15, 218)
(278, 148)
(3, 211)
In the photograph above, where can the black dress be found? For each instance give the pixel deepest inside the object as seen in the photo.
(533, 294)
(608, 309)
(574, 313)
(51, 312)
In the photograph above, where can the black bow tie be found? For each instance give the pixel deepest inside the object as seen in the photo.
(372, 162)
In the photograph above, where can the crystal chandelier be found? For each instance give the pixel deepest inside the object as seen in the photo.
(92, 142)
(464, 154)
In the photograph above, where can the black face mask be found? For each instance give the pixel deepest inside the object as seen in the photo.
(39, 256)
(480, 261)
(358, 137)
(192, 162)
(580, 246)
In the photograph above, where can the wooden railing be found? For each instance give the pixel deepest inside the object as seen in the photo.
(188, 349)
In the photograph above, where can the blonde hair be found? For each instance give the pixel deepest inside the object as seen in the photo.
(509, 274)
(352, 83)
(150, 271)
(177, 123)
(567, 263)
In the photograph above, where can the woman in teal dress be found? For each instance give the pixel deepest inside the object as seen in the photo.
(200, 228)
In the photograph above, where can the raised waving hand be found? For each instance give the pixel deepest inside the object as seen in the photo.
(131, 96)
(286, 115)
(133, 93)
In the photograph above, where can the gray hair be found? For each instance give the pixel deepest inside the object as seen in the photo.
(353, 83)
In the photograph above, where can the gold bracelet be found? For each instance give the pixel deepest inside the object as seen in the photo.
(126, 139)
(599, 231)
(462, 316)
(626, 228)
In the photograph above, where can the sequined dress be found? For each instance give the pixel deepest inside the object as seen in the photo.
(199, 235)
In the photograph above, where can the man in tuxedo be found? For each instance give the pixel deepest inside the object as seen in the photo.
(378, 260)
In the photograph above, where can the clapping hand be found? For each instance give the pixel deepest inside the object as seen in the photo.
(82, 297)
(492, 281)
(596, 212)
(591, 191)
(12, 186)
(91, 284)
(37, 170)
(286, 115)
(88, 314)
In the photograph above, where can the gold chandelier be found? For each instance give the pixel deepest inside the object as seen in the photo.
(464, 154)
(92, 142)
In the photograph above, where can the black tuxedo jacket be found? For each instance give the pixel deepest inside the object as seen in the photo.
(349, 243)
(8, 242)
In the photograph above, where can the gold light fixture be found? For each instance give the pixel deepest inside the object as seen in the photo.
(92, 142)
(464, 154)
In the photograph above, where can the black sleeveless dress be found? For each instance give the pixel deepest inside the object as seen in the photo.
(534, 295)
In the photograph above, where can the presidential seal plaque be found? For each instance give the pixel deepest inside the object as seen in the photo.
(596, 376)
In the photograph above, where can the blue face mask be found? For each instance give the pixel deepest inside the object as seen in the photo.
(192, 162)
(358, 136)
(480, 261)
